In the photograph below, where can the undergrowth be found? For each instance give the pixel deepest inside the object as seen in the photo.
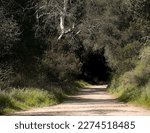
(21, 99)
(81, 83)
(134, 86)
(26, 98)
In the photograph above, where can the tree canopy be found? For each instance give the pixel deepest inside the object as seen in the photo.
(57, 41)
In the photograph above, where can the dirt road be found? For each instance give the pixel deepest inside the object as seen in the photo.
(94, 100)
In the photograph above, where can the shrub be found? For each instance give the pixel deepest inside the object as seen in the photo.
(5, 100)
(61, 67)
(5, 76)
(145, 96)
(9, 33)
(135, 85)
(16, 99)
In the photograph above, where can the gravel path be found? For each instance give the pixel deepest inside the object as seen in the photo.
(91, 101)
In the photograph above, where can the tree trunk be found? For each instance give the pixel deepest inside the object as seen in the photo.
(63, 15)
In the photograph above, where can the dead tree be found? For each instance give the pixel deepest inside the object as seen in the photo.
(55, 8)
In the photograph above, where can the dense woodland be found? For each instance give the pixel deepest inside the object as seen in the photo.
(46, 45)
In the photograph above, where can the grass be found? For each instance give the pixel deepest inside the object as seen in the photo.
(22, 99)
(137, 95)
(82, 83)
(134, 86)
(144, 97)
(26, 98)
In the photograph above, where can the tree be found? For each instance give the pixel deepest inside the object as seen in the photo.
(9, 38)
(64, 12)
(9, 32)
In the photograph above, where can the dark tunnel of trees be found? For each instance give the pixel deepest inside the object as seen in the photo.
(96, 69)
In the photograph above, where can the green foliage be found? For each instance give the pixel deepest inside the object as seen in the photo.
(31, 56)
(6, 79)
(9, 35)
(18, 99)
(139, 8)
(25, 98)
(31, 97)
(61, 64)
(145, 96)
(134, 85)
(82, 83)
(121, 33)
(5, 101)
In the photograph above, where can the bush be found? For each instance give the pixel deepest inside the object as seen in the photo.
(5, 100)
(9, 33)
(145, 95)
(6, 79)
(32, 97)
(135, 85)
(61, 67)
(18, 99)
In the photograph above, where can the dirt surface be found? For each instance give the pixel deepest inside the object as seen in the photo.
(91, 101)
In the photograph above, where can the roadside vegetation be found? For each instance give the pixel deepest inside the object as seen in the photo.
(21, 99)
(46, 45)
(82, 83)
(131, 60)
(134, 86)
(16, 99)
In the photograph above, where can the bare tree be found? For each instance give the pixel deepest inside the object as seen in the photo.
(55, 8)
